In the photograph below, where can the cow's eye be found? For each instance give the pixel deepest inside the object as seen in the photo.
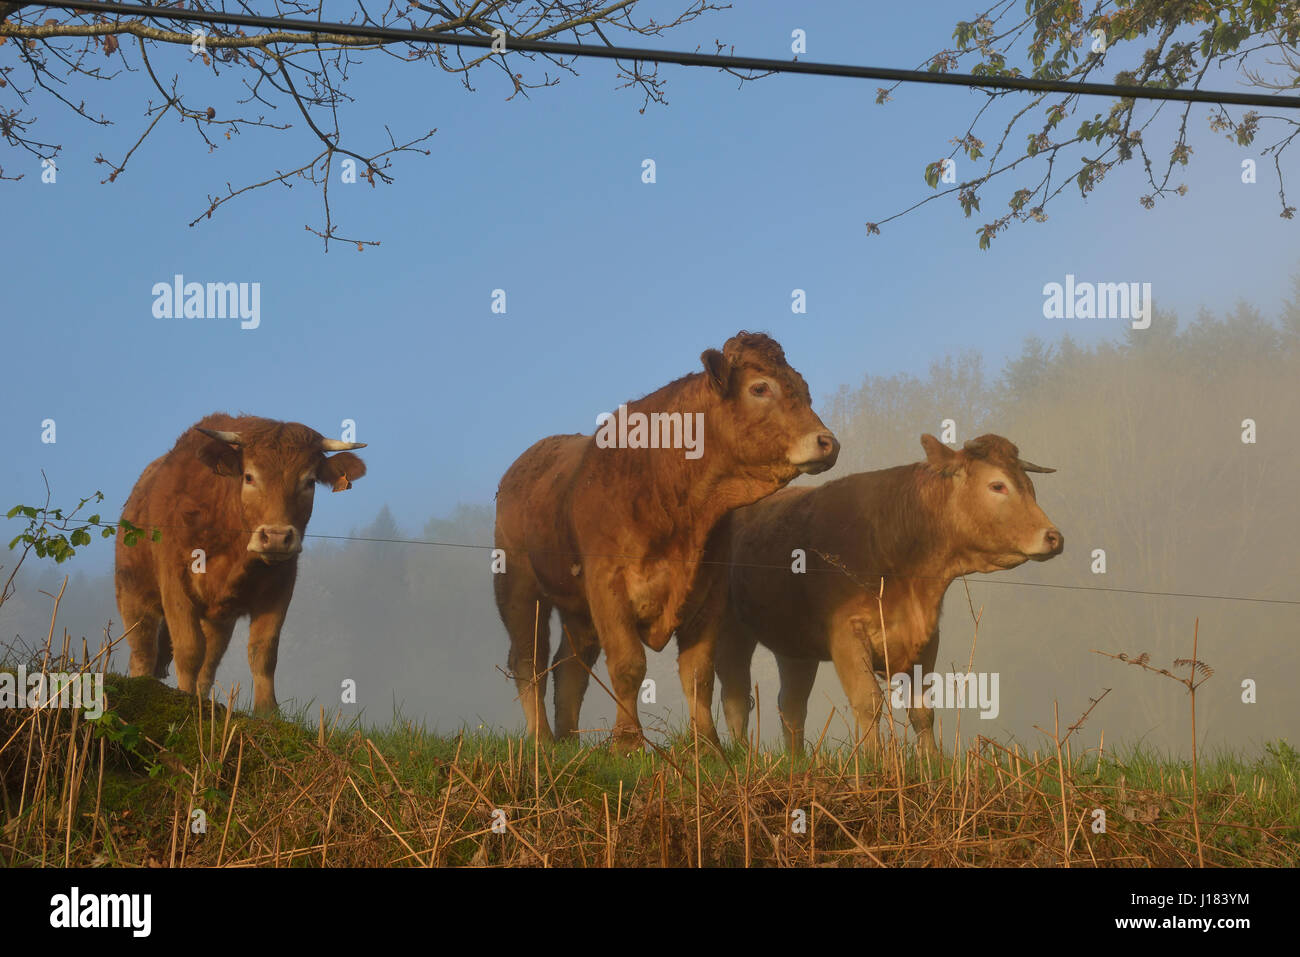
(248, 478)
(760, 389)
(999, 487)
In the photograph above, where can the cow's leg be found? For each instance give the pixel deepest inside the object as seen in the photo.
(920, 716)
(860, 685)
(797, 677)
(527, 617)
(624, 655)
(578, 646)
(703, 619)
(164, 658)
(216, 636)
(732, 658)
(695, 663)
(141, 619)
(264, 653)
(187, 638)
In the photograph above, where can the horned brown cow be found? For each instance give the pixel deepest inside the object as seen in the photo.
(919, 526)
(612, 537)
(241, 491)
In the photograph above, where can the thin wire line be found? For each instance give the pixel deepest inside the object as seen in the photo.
(144, 531)
(680, 57)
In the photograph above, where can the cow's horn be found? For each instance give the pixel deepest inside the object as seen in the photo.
(230, 437)
(1031, 467)
(337, 445)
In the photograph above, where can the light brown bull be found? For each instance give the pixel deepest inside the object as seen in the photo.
(231, 502)
(612, 536)
(918, 526)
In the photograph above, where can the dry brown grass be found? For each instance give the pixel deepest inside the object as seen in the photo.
(124, 790)
(277, 793)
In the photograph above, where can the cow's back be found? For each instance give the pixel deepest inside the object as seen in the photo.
(533, 507)
(852, 531)
(135, 567)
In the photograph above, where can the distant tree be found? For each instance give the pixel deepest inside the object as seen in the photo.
(1145, 431)
(884, 416)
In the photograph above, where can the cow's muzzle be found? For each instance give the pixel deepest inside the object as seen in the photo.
(1053, 544)
(816, 452)
(275, 543)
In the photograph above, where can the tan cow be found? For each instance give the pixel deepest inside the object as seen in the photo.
(918, 526)
(612, 536)
(231, 501)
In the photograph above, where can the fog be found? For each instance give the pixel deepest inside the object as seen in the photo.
(1145, 431)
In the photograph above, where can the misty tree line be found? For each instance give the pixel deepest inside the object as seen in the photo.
(1146, 433)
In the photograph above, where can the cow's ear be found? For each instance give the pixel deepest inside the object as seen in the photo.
(718, 369)
(941, 458)
(338, 471)
(222, 457)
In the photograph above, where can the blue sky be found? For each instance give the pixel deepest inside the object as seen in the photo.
(613, 286)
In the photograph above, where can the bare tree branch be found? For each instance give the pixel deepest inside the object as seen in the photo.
(49, 57)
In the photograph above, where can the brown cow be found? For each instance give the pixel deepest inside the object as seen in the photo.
(241, 490)
(919, 526)
(612, 537)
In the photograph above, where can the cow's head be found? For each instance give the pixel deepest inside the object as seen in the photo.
(277, 466)
(764, 417)
(992, 512)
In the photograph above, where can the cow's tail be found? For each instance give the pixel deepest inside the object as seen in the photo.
(164, 658)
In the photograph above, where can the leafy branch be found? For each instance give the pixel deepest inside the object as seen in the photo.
(1061, 41)
(54, 533)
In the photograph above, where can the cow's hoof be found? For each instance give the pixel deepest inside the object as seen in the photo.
(627, 742)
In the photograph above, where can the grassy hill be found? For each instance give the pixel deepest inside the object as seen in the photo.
(159, 781)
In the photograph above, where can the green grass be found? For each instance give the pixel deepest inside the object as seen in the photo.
(285, 791)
